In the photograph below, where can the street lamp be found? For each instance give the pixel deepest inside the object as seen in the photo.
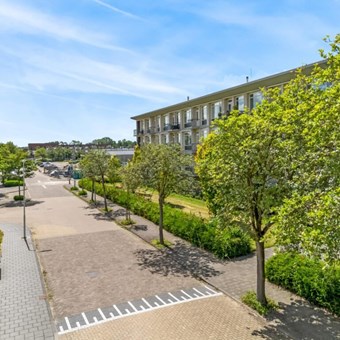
(24, 200)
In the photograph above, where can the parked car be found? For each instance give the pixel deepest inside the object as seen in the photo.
(54, 173)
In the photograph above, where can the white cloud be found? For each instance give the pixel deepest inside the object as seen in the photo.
(30, 21)
(115, 9)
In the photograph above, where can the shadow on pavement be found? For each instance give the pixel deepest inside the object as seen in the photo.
(13, 204)
(179, 260)
(300, 320)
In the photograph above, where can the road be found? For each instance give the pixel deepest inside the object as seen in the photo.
(92, 267)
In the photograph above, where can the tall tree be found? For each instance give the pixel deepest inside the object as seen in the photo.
(165, 169)
(97, 162)
(254, 166)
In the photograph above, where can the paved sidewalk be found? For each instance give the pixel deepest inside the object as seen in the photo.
(24, 312)
(296, 317)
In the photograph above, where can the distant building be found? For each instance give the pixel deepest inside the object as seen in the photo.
(34, 146)
(187, 122)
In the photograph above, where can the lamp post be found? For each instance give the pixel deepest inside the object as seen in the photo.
(24, 200)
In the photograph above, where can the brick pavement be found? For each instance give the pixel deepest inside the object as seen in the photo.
(215, 318)
(24, 312)
(296, 317)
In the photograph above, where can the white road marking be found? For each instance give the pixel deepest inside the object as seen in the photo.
(101, 314)
(201, 294)
(136, 311)
(173, 296)
(67, 323)
(190, 297)
(133, 307)
(118, 311)
(147, 303)
(164, 303)
(85, 318)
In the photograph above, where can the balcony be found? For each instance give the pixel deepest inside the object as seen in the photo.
(195, 123)
(188, 124)
(175, 126)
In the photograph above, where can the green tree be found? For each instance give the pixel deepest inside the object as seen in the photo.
(253, 167)
(97, 163)
(164, 168)
(105, 141)
(41, 153)
(113, 169)
(242, 174)
(131, 180)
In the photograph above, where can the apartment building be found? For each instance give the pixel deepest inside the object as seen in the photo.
(186, 123)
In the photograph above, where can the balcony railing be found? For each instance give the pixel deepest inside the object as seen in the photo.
(187, 124)
(175, 126)
(204, 122)
(194, 123)
(166, 127)
(135, 133)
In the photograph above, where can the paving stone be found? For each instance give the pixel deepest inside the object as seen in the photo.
(19, 287)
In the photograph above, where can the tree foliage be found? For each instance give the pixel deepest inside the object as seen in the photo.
(165, 169)
(97, 164)
(267, 166)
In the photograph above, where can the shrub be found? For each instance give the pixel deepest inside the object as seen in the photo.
(18, 198)
(126, 222)
(74, 188)
(307, 278)
(223, 242)
(13, 182)
(250, 300)
(82, 192)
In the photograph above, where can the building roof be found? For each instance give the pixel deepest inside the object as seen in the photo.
(279, 78)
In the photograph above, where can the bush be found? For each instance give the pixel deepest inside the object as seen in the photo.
(307, 278)
(250, 300)
(82, 192)
(18, 198)
(223, 242)
(74, 188)
(13, 182)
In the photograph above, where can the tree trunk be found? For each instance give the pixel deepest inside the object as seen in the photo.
(92, 191)
(104, 189)
(260, 289)
(161, 238)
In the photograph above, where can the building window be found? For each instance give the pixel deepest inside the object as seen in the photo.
(204, 115)
(216, 110)
(229, 105)
(240, 103)
(187, 141)
(187, 118)
(255, 99)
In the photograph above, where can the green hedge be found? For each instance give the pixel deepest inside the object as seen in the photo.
(224, 243)
(12, 182)
(307, 278)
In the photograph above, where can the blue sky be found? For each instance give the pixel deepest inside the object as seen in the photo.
(79, 69)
